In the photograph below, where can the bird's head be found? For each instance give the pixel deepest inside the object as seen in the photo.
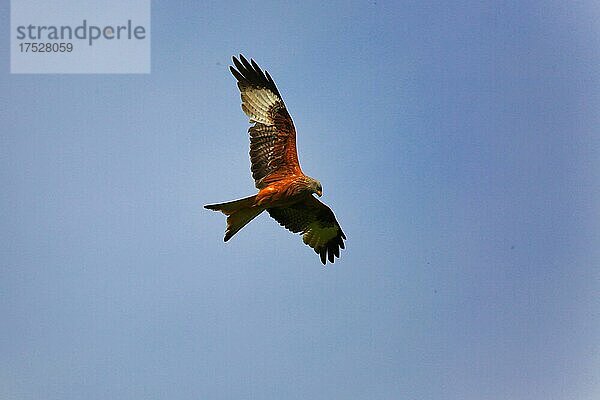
(315, 187)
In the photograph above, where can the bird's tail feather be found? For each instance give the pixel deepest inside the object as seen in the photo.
(239, 213)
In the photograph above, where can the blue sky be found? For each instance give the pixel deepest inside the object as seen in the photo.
(458, 145)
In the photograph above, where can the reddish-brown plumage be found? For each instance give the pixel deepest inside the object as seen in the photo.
(284, 191)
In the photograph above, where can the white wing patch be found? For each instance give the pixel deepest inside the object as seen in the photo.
(256, 103)
(317, 236)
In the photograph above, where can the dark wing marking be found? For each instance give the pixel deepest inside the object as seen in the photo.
(273, 152)
(317, 224)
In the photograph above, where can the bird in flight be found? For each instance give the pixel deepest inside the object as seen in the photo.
(283, 189)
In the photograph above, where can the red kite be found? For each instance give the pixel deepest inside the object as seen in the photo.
(283, 189)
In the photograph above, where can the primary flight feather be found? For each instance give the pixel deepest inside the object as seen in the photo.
(283, 189)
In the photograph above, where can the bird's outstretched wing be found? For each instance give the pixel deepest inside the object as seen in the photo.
(317, 224)
(273, 152)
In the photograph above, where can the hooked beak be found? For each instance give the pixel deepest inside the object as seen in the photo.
(319, 193)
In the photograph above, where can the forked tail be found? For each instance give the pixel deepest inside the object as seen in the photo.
(239, 213)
